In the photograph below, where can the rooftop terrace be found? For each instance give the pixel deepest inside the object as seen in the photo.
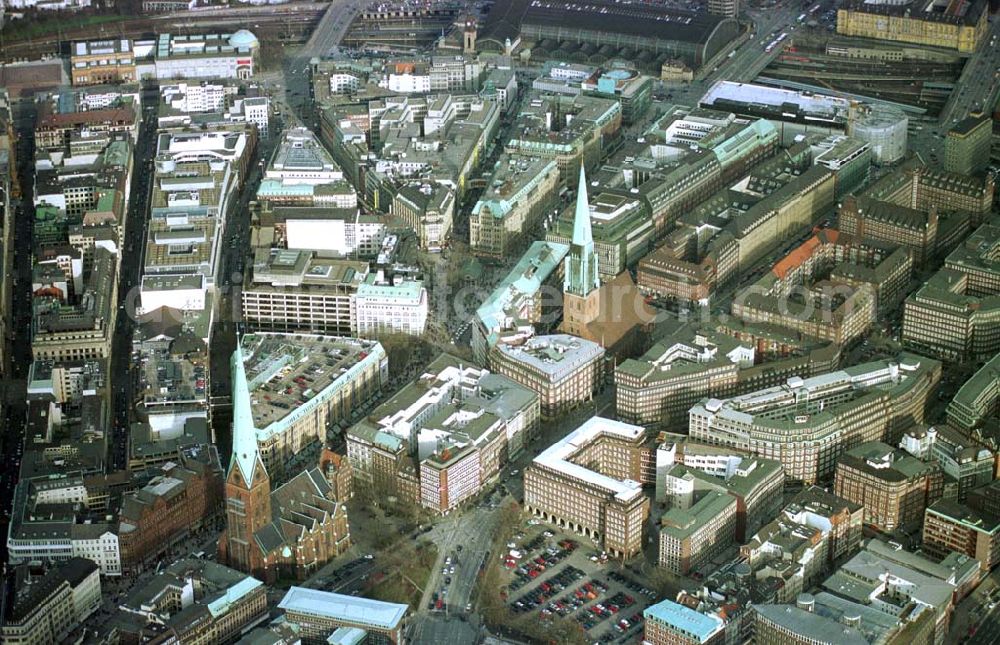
(286, 371)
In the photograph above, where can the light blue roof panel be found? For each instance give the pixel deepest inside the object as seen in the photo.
(699, 625)
(349, 609)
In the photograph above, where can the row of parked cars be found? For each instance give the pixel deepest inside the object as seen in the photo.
(619, 609)
(543, 593)
(571, 602)
(632, 585)
(527, 569)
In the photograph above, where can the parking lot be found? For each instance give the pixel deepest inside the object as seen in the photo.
(558, 575)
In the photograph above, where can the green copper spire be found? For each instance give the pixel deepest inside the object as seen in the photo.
(582, 234)
(245, 451)
(581, 263)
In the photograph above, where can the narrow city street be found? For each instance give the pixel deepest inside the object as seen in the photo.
(123, 392)
(14, 387)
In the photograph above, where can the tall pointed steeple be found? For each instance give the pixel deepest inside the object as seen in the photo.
(582, 234)
(246, 454)
(248, 488)
(581, 263)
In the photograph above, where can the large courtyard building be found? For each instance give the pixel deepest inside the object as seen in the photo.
(752, 204)
(808, 423)
(571, 130)
(586, 482)
(882, 222)
(831, 288)
(922, 188)
(658, 388)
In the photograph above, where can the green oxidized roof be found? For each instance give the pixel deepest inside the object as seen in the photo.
(245, 454)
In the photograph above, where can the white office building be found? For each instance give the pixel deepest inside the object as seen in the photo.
(399, 308)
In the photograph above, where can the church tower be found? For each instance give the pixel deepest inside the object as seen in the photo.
(469, 31)
(581, 286)
(248, 488)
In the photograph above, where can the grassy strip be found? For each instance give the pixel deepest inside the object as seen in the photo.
(18, 30)
(410, 567)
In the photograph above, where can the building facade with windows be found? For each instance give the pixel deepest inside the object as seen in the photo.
(893, 486)
(669, 623)
(318, 614)
(192, 601)
(449, 433)
(691, 536)
(564, 370)
(96, 62)
(971, 528)
(233, 55)
(967, 145)
(54, 607)
(955, 315)
(521, 193)
(978, 399)
(400, 308)
(960, 27)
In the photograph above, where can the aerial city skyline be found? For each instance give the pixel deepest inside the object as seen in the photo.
(503, 322)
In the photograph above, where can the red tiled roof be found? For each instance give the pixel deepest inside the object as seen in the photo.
(799, 255)
(71, 119)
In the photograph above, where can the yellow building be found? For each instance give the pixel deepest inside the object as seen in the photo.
(95, 62)
(961, 25)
